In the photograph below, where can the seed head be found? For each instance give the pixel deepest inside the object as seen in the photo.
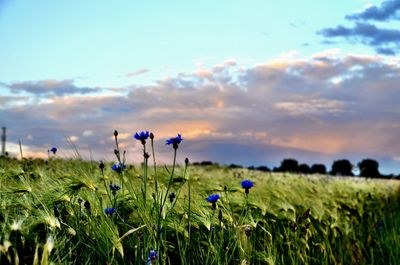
(171, 196)
(87, 205)
(101, 165)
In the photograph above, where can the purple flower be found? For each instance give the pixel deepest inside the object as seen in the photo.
(174, 141)
(142, 136)
(109, 211)
(53, 150)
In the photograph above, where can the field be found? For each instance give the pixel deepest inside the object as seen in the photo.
(79, 212)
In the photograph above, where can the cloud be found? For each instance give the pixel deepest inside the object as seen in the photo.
(6, 101)
(386, 11)
(316, 109)
(50, 87)
(138, 72)
(366, 32)
(385, 41)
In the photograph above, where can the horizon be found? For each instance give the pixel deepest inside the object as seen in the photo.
(247, 84)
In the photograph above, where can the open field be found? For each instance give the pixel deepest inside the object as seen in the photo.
(54, 212)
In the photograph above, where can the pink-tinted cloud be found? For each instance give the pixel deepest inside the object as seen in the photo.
(316, 109)
(138, 72)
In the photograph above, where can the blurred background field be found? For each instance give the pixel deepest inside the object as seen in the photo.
(54, 212)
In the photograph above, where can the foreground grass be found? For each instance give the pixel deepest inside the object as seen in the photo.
(285, 219)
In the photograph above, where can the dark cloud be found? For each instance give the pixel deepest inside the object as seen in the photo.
(50, 87)
(367, 33)
(385, 41)
(385, 51)
(323, 107)
(386, 11)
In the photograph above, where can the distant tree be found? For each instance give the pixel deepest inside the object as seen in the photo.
(369, 168)
(235, 166)
(303, 168)
(251, 168)
(318, 169)
(206, 163)
(342, 167)
(263, 169)
(289, 165)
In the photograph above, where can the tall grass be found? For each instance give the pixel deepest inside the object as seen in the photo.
(54, 212)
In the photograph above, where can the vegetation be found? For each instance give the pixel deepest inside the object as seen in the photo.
(80, 212)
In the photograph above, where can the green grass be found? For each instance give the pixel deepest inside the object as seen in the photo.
(349, 221)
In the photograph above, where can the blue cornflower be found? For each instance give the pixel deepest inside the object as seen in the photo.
(152, 258)
(175, 141)
(53, 150)
(118, 167)
(114, 188)
(142, 136)
(213, 198)
(109, 211)
(246, 185)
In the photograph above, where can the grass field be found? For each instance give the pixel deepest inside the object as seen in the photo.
(75, 212)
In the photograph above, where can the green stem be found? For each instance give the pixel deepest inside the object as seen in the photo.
(155, 169)
(144, 175)
(105, 186)
(170, 181)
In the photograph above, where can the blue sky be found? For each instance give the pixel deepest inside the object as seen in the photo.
(314, 80)
(101, 41)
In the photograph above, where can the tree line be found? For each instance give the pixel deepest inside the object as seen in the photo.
(368, 168)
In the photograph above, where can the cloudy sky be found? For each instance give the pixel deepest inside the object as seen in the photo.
(247, 82)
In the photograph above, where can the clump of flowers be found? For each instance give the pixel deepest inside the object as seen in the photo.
(175, 141)
(142, 136)
(247, 185)
(152, 258)
(213, 198)
(109, 211)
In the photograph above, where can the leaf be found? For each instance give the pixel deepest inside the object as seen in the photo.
(118, 244)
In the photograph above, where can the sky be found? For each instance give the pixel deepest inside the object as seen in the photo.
(245, 82)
